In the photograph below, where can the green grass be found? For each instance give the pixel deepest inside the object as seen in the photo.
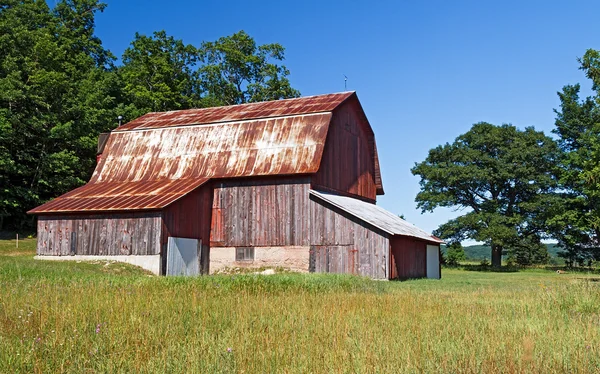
(78, 317)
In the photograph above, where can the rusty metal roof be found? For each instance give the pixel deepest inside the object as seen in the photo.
(149, 169)
(156, 159)
(274, 146)
(141, 195)
(243, 112)
(376, 216)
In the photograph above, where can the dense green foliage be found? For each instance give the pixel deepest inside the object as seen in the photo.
(158, 73)
(60, 87)
(503, 176)
(235, 71)
(575, 222)
(453, 254)
(57, 92)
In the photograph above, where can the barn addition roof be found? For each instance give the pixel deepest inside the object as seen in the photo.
(376, 216)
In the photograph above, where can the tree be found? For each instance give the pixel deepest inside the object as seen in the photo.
(56, 95)
(454, 254)
(528, 252)
(235, 71)
(60, 88)
(159, 74)
(576, 219)
(501, 175)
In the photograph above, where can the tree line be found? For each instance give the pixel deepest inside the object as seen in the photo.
(519, 187)
(60, 87)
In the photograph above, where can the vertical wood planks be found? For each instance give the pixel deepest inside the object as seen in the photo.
(348, 161)
(261, 212)
(343, 243)
(409, 258)
(99, 234)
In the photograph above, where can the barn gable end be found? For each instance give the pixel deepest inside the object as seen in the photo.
(349, 165)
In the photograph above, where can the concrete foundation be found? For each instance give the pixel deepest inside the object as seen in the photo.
(150, 263)
(294, 258)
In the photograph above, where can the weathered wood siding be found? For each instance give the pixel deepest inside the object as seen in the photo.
(348, 162)
(341, 243)
(408, 258)
(99, 234)
(260, 212)
(189, 217)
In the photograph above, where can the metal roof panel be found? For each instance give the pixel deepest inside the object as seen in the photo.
(376, 216)
(115, 196)
(242, 112)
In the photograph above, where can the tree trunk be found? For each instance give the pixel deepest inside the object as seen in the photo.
(496, 256)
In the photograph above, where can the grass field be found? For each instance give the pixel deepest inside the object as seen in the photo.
(87, 318)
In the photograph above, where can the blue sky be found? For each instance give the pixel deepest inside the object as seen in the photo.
(425, 71)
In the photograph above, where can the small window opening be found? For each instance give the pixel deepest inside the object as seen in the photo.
(244, 254)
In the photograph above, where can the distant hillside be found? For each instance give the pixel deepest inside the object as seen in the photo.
(479, 252)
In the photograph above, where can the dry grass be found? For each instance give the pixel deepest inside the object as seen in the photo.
(67, 317)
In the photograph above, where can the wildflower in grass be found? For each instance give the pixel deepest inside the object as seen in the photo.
(229, 349)
(98, 328)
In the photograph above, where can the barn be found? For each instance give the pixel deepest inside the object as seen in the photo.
(290, 183)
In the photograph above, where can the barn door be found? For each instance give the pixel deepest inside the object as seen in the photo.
(433, 261)
(182, 256)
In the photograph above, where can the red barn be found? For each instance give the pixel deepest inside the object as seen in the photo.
(289, 183)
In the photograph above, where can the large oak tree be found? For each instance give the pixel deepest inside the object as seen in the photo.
(501, 177)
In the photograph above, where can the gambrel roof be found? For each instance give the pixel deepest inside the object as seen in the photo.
(158, 158)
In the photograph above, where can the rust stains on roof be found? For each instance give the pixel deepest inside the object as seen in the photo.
(243, 112)
(275, 146)
(141, 195)
(152, 161)
(142, 170)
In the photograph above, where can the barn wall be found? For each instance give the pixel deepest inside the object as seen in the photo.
(341, 243)
(189, 217)
(348, 162)
(408, 258)
(290, 257)
(109, 234)
(260, 213)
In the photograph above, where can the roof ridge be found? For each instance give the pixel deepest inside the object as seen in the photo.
(258, 102)
(240, 112)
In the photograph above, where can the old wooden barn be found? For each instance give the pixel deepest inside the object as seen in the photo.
(289, 183)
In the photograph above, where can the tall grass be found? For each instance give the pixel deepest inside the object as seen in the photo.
(68, 317)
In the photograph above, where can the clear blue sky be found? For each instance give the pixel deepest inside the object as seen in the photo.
(424, 71)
